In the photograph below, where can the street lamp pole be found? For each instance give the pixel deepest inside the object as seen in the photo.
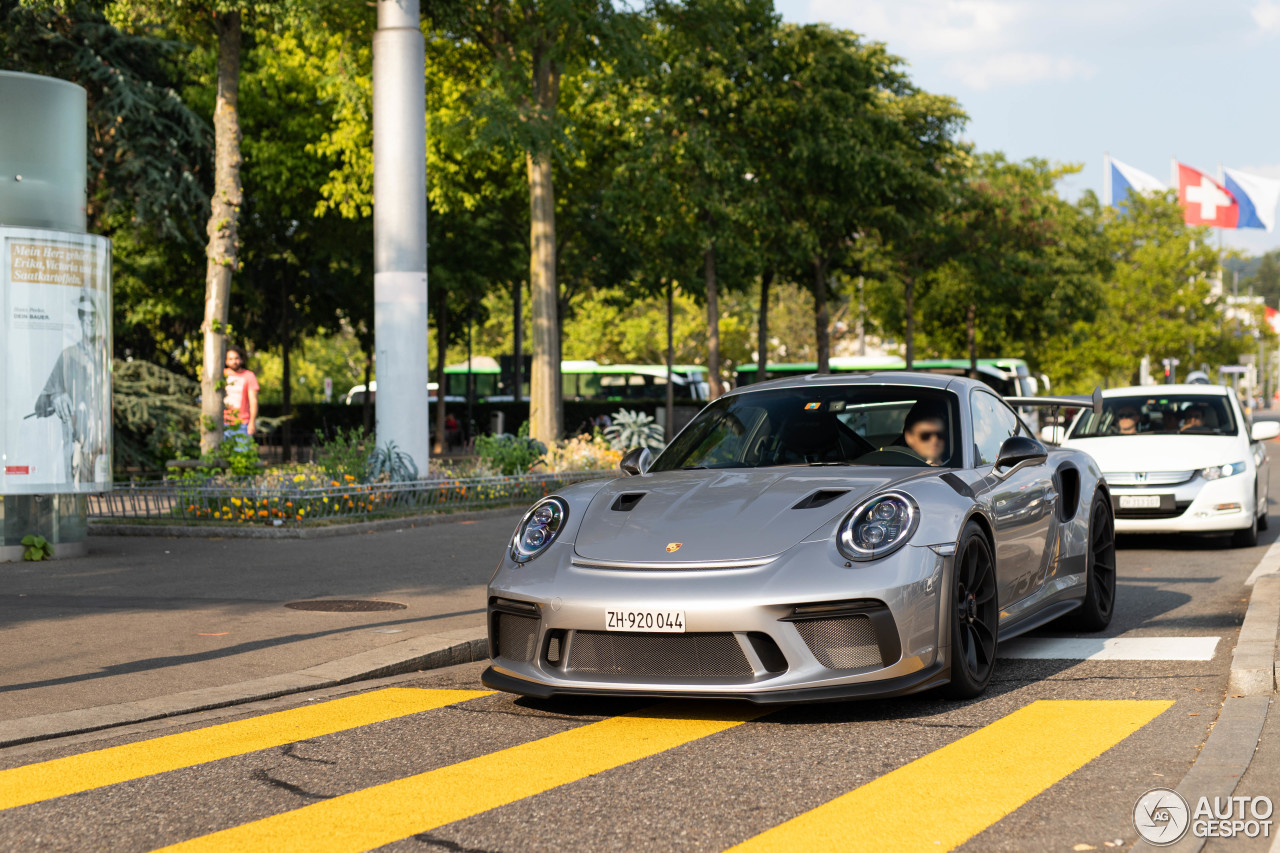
(400, 229)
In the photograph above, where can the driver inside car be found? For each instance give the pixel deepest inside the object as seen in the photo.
(925, 432)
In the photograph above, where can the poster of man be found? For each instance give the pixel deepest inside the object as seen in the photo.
(57, 347)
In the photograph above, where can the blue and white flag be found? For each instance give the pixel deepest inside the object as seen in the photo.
(1257, 197)
(1120, 179)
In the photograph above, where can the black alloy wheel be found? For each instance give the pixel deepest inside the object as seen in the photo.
(1094, 613)
(975, 615)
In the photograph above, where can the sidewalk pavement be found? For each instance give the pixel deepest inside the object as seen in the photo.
(145, 627)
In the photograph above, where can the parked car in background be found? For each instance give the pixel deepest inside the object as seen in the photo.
(1179, 459)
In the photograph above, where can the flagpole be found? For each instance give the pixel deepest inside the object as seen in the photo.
(1106, 179)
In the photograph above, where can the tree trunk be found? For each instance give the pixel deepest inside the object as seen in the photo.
(669, 431)
(970, 318)
(286, 377)
(821, 317)
(442, 348)
(223, 216)
(909, 307)
(762, 331)
(545, 415)
(517, 331)
(713, 324)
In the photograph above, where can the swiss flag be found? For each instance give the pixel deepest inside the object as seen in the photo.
(1205, 201)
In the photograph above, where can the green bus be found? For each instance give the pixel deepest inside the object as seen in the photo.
(1008, 376)
(580, 380)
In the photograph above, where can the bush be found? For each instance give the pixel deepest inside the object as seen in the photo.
(347, 453)
(510, 454)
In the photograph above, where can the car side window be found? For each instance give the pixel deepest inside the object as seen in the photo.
(993, 422)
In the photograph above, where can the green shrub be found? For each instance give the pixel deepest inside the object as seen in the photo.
(510, 454)
(38, 548)
(634, 429)
(346, 453)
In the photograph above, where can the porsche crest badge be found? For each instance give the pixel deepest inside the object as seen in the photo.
(672, 547)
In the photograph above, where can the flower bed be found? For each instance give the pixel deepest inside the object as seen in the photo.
(308, 498)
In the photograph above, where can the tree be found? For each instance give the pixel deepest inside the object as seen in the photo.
(1159, 300)
(861, 150)
(1023, 265)
(707, 58)
(218, 26)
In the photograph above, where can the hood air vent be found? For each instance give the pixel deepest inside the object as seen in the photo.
(627, 501)
(822, 497)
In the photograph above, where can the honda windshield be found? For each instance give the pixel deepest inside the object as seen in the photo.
(1158, 414)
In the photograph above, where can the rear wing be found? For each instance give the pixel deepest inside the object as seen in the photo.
(1081, 401)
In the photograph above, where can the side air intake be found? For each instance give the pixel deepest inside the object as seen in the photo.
(627, 502)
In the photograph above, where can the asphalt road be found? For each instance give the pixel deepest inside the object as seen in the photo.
(1016, 770)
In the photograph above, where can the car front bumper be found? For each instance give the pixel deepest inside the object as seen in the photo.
(806, 626)
(1199, 506)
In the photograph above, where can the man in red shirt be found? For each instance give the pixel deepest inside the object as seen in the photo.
(240, 405)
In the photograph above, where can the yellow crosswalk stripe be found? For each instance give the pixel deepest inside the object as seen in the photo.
(939, 801)
(385, 813)
(61, 776)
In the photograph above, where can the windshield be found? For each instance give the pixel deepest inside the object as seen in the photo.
(832, 425)
(1169, 414)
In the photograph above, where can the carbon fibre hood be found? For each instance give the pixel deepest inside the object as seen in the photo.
(740, 514)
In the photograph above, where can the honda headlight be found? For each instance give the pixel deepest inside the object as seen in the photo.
(1217, 472)
(538, 529)
(878, 526)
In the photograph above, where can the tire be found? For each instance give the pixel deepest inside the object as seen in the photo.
(1262, 516)
(974, 617)
(1246, 537)
(1094, 613)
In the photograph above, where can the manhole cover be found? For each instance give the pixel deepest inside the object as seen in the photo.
(345, 605)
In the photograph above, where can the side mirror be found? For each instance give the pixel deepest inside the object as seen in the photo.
(1018, 449)
(1264, 430)
(1053, 434)
(636, 461)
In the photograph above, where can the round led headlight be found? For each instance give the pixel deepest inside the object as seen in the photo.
(1219, 471)
(878, 526)
(538, 529)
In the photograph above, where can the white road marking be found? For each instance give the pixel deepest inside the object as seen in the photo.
(1113, 648)
(1269, 564)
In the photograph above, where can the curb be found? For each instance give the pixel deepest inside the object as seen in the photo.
(430, 651)
(190, 531)
(1253, 664)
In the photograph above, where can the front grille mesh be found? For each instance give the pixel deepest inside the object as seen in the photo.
(517, 637)
(842, 642)
(649, 656)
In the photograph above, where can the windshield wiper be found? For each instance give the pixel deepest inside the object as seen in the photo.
(693, 468)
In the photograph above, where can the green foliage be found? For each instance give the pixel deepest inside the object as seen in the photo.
(634, 429)
(389, 462)
(37, 548)
(1158, 301)
(236, 455)
(510, 454)
(154, 415)
(346, 453)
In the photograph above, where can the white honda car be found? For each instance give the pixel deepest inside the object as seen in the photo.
(1179, 459)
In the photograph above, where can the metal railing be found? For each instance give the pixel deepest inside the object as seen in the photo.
(228, 501)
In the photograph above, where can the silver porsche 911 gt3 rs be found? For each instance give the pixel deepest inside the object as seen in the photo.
(824, 537)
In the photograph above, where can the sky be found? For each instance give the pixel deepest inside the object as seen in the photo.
(1072, 80)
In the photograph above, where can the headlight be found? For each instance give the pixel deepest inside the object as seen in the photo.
(538, 529)
(878, 526)
(1219, 471)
